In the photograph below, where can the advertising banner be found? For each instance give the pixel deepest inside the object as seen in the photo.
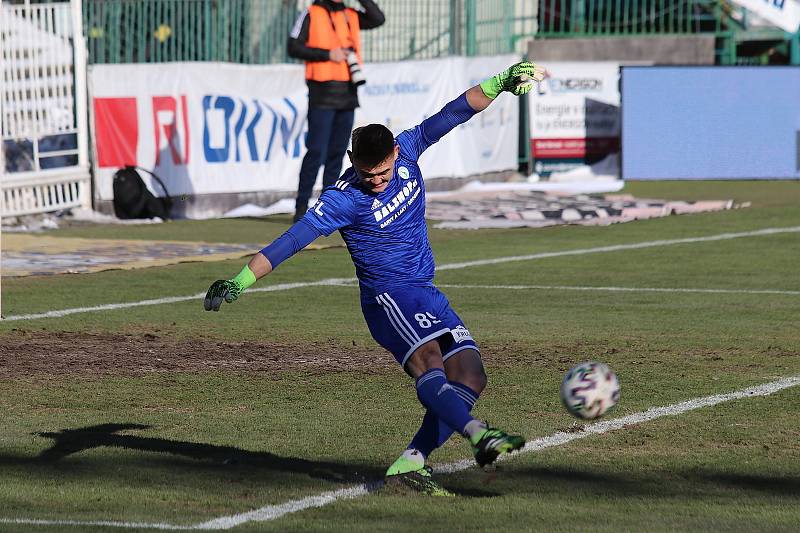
(202, 127)
(208, 128)
(402, 94)
(784, 14)
(574, 115)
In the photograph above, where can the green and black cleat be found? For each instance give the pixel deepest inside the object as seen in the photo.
(490, 443)
(419, 479)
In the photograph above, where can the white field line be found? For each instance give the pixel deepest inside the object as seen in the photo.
(272, 512)
(618, 289)
(450, 266)
(557, 439)
(618, 247)
(350, 282)
(198, 297)
(88, 523)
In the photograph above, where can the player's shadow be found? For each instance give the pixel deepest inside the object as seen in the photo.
(71, 441)
(779, 485)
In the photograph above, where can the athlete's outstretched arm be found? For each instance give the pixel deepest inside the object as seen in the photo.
(300, 235)
(517, 79)
(335, 209)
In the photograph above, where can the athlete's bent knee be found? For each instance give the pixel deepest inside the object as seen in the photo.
(474, 380)
(478, 381)
(424, 358)
(466, 367)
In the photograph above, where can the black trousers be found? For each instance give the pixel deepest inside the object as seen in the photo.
(328, 136)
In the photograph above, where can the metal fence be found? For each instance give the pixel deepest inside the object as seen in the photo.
(148, 31)
(570, 18)
(641, 18)
(255, 31)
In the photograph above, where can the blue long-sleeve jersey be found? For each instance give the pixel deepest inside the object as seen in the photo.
(385, 232)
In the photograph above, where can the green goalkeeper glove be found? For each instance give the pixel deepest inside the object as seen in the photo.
(228, 289)
(517, 79)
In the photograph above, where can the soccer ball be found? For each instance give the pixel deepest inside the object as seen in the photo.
(589, 390)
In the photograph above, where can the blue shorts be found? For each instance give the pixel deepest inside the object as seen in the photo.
(403, 319)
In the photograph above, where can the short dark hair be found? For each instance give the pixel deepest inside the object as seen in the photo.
(372, 144)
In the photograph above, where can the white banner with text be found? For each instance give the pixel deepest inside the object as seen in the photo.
(575, 115)
(208, 128)
(402, 94)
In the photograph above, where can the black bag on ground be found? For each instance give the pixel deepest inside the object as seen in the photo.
(132, 198)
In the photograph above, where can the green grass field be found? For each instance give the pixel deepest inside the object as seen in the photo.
(165, 414)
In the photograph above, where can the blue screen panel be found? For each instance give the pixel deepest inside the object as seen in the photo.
(710, 123)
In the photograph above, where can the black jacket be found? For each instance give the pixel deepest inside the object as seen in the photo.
(330, 94)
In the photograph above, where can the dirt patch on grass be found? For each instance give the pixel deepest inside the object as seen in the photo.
(40, 354)
(87, 354)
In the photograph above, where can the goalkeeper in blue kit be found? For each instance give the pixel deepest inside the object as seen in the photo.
(378, 206)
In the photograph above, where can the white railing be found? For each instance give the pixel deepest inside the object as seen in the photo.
(44, 163)
(47, 190)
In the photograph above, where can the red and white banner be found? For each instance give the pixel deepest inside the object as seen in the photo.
(202, 127)
(208, 128)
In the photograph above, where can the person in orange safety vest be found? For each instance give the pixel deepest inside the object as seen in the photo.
(323, 36)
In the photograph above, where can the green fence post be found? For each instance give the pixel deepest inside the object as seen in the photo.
(455, 28)
(508, 27)
(794, 49)
(578, 24)
(471, 17)
(727, 50)
(524, 156)
(210, 36)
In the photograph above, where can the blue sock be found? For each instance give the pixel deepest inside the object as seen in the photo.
(433, 432)
(442, 400)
